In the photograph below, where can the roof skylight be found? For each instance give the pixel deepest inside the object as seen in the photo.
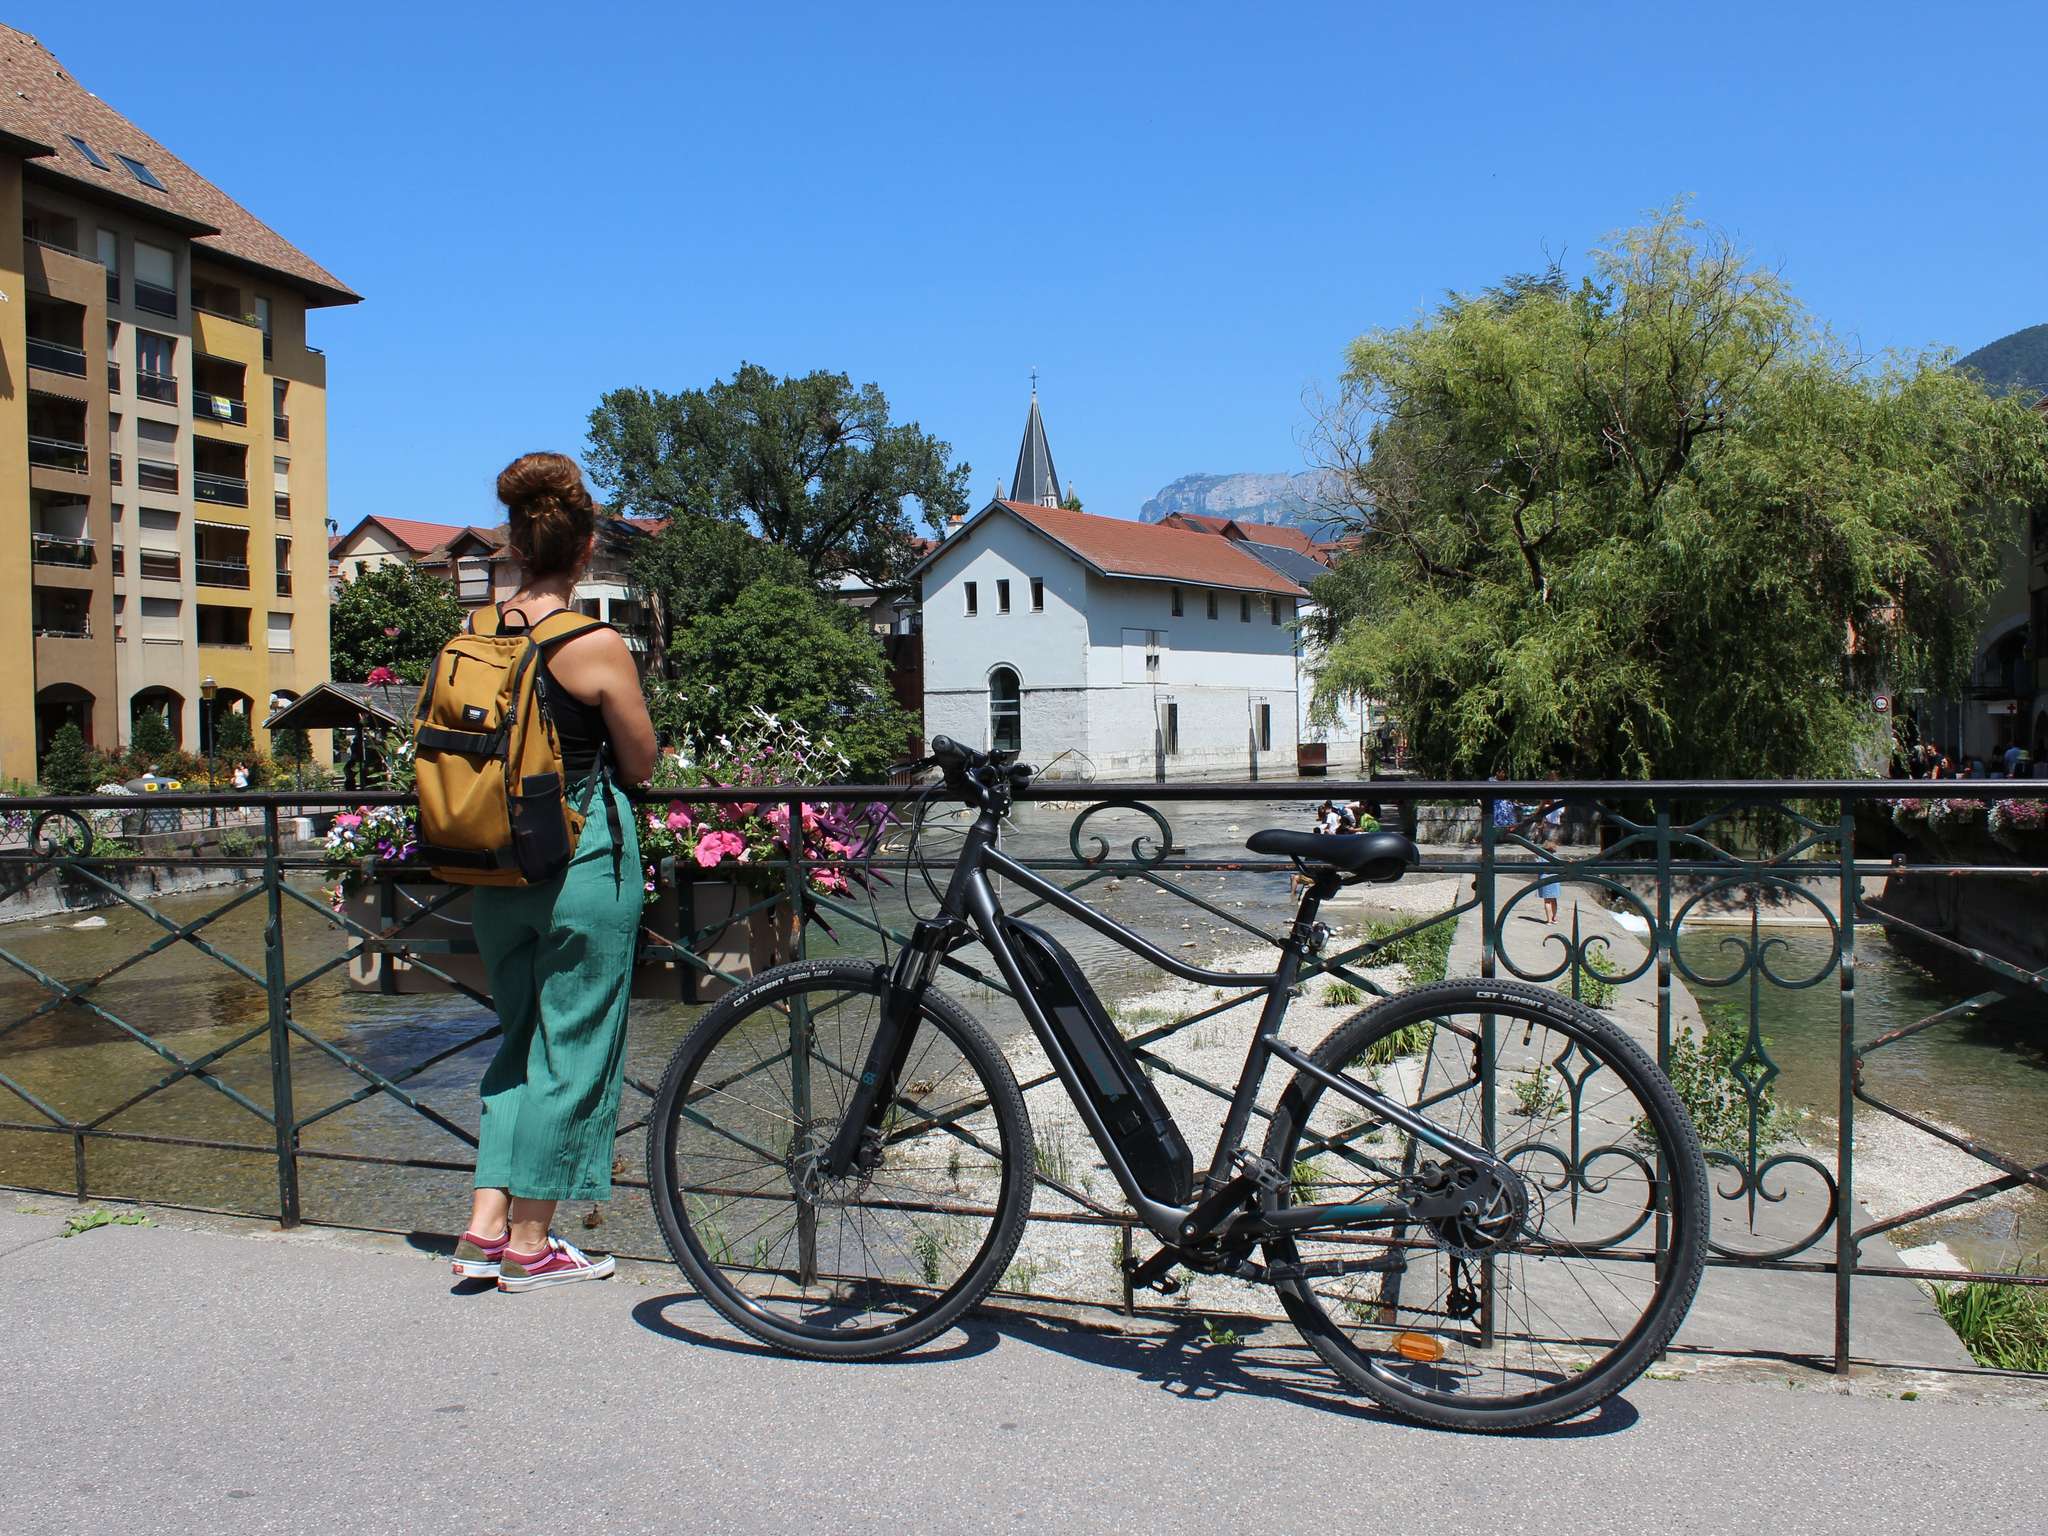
(142, 173)
(87, 150)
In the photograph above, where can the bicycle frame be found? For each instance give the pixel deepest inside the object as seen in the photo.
(1220, 1214)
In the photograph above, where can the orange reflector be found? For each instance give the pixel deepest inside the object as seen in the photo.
(1419, 1347)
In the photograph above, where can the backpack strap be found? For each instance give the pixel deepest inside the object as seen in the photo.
(563, 624)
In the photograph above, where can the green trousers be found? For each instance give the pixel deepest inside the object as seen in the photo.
(560, 958)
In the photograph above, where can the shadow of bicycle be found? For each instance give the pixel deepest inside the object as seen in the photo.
(1181, 1358)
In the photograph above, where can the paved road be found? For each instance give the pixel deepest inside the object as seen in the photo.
(193, 1380)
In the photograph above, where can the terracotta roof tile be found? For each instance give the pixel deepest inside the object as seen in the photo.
(41, 101)
(1120, 548)
(418, 537)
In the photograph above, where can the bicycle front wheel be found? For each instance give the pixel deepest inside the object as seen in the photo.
(1566, 1289)
(861, 1266)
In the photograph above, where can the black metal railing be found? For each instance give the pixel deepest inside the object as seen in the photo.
(224, 490)
(63, 629)
(220, 407)
(156, 474)
(158, 301)
(1667, 890)
(221, 573)
(56, 357)
(114, 468)
(58, 453)
(59, 549)
(161, 387)
(113, 377)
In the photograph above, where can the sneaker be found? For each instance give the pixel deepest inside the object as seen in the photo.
(478, 1258)
(560, 1264)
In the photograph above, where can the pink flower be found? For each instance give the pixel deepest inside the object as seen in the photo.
(653, 822)
(678, 818)
(381, 675)
(348, 819)
(714, 846)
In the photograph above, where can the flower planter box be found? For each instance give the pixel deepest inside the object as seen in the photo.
(741, 946)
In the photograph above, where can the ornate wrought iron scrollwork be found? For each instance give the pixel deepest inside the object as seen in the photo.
(1162, 845)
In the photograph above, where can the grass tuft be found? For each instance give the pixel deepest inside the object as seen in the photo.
(2002, 1326)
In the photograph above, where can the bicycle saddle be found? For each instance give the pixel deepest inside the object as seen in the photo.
(1376, 856)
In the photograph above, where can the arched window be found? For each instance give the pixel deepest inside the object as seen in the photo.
(1005, 711)
(165, 705)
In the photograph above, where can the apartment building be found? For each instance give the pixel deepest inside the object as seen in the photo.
(163, 432)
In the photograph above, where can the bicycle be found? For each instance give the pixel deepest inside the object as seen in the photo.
(1478, 1201)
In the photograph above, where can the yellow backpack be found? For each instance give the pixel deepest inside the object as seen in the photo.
(493, 802)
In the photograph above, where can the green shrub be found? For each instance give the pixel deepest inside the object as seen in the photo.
(150, 736)
(1539, 1093)
(2002, 1326)
(1405, 1041)
(70, 767)
(1341, 994)
(231, 735)
(1595, 990)
(1702, 1073)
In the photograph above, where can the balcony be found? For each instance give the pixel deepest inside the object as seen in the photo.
(220, 407)
(222, 490)
(161, 387)
(221, 573)
(56, 357)
(64, 626)
(58, 453)
(160, 565)
(56, 549)
(156, 475)
(281, 427)
(284, 504)
(158, 301)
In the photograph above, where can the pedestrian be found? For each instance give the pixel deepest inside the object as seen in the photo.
(1328, 819)
(2015, 754)
(240, 777)
(1365, 816)
(1550, 834)
(560, 953)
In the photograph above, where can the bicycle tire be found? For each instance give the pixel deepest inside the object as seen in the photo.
(724, 1283)
(1662, 1149)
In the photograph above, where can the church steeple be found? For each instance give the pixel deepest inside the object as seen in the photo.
(1035, 480)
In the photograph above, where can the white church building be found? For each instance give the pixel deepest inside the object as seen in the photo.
(1102, 648)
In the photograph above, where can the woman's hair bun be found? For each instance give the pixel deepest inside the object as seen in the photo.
(549, 510)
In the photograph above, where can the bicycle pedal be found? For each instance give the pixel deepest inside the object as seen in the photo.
(1261, 1171)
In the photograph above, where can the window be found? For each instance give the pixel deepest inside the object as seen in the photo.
(87, 150)
(1005, 711)
(1002, 597)
(280, 631)
(973, 603)
(1170, 733)
(110, 258)
(263, 322)
(473, 580)
(1212, 605)
(160, 618)
(1144, 652)
(1244, 608)
(1038, 594)
(155, 355)
(1265, 727)
(1273, 607)
(156, 279)
(142, 173)
(1176, 600)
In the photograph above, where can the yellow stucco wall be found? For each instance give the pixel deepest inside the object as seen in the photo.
(17, 679)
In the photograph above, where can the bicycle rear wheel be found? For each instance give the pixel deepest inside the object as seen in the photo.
(1529, 1313)
(862, 1266)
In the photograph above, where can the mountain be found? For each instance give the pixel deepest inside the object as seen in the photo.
(2013, 364)
(1247, 498)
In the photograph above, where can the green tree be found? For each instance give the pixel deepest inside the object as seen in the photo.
(1658, 524)
(812, 464)
(785, 649)
(231, 735)
(292, 746)
(70, 767)
(149, 736)
(699, 564)
(394, 616)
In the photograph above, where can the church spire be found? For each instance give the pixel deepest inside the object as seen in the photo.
(1035, 480)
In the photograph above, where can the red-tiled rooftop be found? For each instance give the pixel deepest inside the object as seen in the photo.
(416, 536)
(1120, 548)
(42, 106)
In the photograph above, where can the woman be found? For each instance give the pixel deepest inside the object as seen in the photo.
(560, 954)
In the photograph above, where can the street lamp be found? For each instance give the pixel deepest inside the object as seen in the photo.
(207, 689)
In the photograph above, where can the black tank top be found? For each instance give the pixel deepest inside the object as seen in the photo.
(578, 725)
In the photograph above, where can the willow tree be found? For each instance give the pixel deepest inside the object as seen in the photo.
(1658, 523)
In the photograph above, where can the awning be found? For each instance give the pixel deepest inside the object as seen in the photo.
(345, 706)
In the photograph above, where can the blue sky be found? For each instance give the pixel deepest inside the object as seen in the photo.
(1177, 213)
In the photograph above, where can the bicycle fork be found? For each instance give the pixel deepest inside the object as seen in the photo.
(860, 1132)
